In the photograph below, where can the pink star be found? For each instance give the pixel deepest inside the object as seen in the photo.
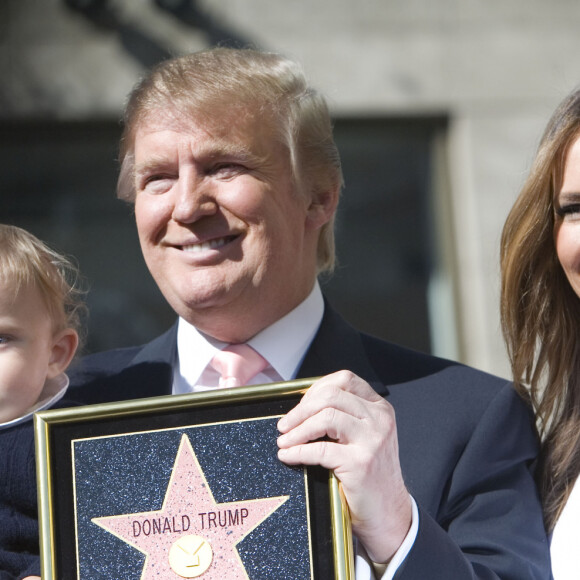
(190, 521)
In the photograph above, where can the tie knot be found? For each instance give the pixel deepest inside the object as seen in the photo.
(237, 365)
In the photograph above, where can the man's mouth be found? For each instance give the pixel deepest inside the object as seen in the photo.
(209, 245)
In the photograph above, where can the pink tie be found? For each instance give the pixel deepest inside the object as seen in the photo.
(238, 364)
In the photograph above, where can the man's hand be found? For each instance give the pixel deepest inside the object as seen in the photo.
(362, 451)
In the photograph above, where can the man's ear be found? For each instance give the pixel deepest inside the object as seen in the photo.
(64, 346)
(323, 206)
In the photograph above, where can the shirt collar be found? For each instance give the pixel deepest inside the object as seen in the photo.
(53, 390)
(283, 344)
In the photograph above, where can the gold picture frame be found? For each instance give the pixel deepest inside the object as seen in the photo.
(121, 486)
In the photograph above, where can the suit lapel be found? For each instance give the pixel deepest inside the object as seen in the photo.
(163, 349)
(338, 346)
(153, 364)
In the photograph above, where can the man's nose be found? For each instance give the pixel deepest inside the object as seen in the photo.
(194, 198)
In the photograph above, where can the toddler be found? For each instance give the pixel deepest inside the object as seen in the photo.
(40, 311)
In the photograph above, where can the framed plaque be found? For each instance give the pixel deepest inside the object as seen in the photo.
(185, 486)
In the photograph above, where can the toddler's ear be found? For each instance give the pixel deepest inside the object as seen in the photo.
(64, 346)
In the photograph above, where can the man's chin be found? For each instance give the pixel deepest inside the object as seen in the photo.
(197, 297)
(201, 305)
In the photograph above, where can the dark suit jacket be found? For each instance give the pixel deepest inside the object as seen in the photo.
(18, 510)
(467, 443)
(19, 549)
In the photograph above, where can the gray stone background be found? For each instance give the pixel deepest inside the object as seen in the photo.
(496, 68)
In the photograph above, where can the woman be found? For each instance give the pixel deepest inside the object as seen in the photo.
(540, 311)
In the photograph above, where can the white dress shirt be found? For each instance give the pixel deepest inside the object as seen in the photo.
(565, 546)
(284, 345)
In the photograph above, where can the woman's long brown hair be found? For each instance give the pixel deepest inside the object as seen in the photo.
(540, 313)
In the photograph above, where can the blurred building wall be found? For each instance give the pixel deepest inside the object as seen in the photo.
(496, 69)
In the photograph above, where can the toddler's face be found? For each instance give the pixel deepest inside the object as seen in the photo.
(26, 350)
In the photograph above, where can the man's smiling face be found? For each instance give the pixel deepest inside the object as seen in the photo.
(229, 241)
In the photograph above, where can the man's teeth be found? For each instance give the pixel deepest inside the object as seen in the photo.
(211, 245)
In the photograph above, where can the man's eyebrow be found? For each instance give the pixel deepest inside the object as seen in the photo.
(152, 163)
(215, 151)
(229, 150)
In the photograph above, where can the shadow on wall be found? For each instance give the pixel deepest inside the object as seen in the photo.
(139, 44)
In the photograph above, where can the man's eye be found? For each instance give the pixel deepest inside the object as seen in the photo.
(227, 170)
(156, 183)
